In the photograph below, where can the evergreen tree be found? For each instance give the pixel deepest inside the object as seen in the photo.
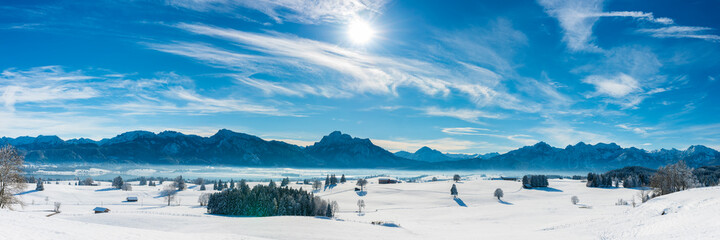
(342, 179)
(329, 211)
(285, 182)
(454, 191)
(143, 181)
(117, 182)
(40, 186)
(232, 184)
(333, 180)
(327, 181)
(202, 187)
(456, 178)
(272, 184)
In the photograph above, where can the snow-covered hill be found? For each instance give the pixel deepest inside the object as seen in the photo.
(690, 214)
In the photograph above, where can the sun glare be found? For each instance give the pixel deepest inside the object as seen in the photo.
(360, 32)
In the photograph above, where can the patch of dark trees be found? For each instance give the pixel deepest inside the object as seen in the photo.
(535, 181)
(270, 200)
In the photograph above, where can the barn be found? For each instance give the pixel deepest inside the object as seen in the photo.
(132, 199)
(388, 181)
(101, 210)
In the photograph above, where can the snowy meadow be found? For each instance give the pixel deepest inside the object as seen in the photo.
(423, 209)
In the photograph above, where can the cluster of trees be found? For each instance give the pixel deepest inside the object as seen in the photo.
(179, 183)
(708, 176)
(219, 185)
(599, 180)
(268, 200)
(331, 180)
(628, 177)
(533, 181)
(673, 178)
(119, 183)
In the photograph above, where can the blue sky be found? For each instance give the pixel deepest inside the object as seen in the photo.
(460, 76)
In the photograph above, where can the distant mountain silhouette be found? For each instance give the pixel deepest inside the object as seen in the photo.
(337, 150)
(428, 154)
(581, 156)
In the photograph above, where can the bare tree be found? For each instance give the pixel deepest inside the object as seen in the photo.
(673, 178)
(317, 185)
(169, 193)
(498, 193)
(361, 205)
(203, 199)
(57, 207)
(11, 179)
(87, 182)
(126, 187)
(334, 206)
(574, 200)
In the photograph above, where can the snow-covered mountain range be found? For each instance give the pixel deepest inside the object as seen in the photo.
(337, 150)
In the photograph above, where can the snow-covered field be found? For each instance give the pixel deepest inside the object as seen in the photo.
(422, 211)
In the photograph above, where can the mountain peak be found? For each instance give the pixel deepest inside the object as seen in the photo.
(337, 137)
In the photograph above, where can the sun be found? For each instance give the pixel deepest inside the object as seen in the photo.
(360, 32)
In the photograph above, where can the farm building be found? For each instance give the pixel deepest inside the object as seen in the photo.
(388, 181)
(101, 210)
(132, 199)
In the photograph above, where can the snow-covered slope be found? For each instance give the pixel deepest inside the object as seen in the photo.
(690, 214)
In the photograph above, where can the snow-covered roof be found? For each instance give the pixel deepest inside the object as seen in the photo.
(100, 209)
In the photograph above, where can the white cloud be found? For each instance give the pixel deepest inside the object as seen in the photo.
(681, 32)
(178, 99)
(302, 11)
(638, 130)
(577, 19)
(464, 130)
(519, 138)
(333, 71)
(469, 115)
(615, 86)
(43, 84)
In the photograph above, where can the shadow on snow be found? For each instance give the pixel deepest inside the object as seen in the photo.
(26, 192)
(460, 202)
(547, 189)
(107, 189)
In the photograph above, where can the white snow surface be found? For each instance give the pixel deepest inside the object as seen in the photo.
(422, 211)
